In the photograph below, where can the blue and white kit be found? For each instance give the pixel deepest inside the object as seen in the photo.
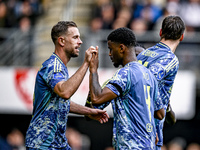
(133, 109)
(50, 112)
(164, 64)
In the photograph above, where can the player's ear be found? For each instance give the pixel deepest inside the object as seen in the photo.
(182, 37)
(160, 32)
(122, 48)
(61, 41)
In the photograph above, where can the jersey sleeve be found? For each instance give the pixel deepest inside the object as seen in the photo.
(55, 78)
(158, 104)
(168, 66)
(158, 71)
(55, 74)
(119, 83)
(104, 105)
(165, 71)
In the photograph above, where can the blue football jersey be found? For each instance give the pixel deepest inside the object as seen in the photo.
(50, 112)
(164, 64)
(133, 109)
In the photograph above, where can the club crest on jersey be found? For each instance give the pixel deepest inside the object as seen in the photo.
(149, 127)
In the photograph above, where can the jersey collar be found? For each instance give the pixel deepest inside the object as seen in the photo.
(130, 63)
(162, 45)
(58, 58)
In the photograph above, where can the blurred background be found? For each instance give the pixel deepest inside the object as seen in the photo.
(25, 42)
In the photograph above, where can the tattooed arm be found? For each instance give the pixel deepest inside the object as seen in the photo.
(98, 95)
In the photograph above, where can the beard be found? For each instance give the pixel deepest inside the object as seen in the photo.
(116, 65)
(71, 53)
(74, 55)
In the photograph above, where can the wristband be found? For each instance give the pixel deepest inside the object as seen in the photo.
(168, 109)
(88, 102)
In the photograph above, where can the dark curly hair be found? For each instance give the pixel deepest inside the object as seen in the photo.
(123, 35)
(60, 29)
(172, 28)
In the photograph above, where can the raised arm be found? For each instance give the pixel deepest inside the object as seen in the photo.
(66, 89)
(98, 95)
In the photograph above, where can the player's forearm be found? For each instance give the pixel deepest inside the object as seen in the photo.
(88, 103)
(170, 117)
(70, 86)
(95, 88)
(79, 109)
(159, 114)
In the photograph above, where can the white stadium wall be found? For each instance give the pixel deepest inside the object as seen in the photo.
(17, 86)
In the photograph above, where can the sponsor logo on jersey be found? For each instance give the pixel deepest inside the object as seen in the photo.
(149, 53)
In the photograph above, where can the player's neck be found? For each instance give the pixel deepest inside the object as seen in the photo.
(62, 56)
(172, 44)
(129, 58)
